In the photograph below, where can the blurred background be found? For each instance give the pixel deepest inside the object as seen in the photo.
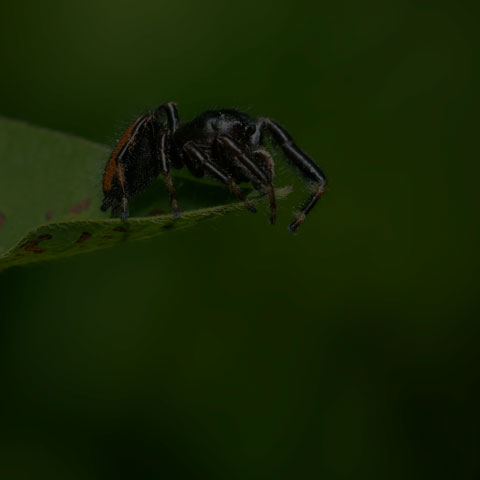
(235, 349)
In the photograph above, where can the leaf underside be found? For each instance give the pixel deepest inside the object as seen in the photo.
(50, 194)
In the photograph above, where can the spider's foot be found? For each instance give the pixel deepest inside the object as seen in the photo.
(273, 204)
(248, 204)
(124, 213)
(294, 225)
(250, 207)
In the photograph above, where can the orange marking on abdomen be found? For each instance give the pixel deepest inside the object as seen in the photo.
(111, 166)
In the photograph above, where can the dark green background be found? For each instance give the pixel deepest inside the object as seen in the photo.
(237, 350)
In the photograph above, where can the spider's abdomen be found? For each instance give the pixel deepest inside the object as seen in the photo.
(132, 165)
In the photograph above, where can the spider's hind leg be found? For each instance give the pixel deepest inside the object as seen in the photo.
(165, 133)
(125, 213)
(165, 165)
(118, 199)
(118, 207)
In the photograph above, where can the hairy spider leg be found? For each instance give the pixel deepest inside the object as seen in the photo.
(195, 154)
(165, 170)
(309, 169)
(252, 170)
(115, 168)
(169, 110)
(264, 156)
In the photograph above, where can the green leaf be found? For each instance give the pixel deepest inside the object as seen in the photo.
(50, 196)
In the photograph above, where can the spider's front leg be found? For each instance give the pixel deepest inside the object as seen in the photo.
(309, 169)
(164, 136)
(262, 177)
(201, 158)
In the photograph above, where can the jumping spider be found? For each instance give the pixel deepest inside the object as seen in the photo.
(226, 144)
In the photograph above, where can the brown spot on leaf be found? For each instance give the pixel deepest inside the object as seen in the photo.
(32, 245)
(45, 236)
(28, 244)
(157, 211)
(119, 229)
(81, 206)
(23, 254)
(108, 236)
(49, 215)
(84, 237)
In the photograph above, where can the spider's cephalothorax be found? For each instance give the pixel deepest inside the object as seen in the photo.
(226, 144)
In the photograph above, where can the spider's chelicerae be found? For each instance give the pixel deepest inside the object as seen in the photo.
(226, 144)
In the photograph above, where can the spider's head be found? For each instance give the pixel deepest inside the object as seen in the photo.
(231, 123)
